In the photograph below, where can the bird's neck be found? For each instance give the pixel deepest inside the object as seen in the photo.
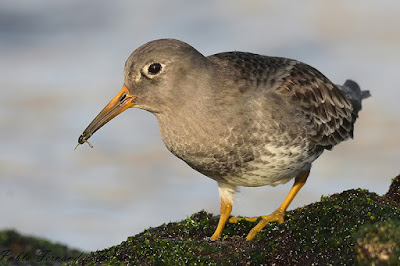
(190, 132)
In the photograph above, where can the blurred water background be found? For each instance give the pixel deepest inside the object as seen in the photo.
(62, 61)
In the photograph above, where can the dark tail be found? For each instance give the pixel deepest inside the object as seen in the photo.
(353, 92)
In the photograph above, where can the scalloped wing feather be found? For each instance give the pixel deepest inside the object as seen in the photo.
(331, 114)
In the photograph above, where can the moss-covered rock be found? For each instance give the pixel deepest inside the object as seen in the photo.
(353, 227)
(379, 243)
(394, 191)
(17, 249)
(332, 231)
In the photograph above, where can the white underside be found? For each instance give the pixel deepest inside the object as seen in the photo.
(272, 171)
(226, 192)
(269, 171)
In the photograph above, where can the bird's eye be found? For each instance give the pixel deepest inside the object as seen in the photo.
(154, 68)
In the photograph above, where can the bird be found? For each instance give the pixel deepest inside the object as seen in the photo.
(239, 118)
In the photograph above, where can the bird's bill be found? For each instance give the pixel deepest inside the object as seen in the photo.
(121, 102)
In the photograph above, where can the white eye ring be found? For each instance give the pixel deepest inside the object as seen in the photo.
(153, 69)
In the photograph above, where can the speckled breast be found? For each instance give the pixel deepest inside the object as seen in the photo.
(257, 154)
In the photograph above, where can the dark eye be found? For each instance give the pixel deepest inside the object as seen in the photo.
(154, 68)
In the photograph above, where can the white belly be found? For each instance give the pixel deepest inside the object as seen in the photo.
(274, 170)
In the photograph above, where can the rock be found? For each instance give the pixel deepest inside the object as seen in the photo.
(394, 191)
(352, 227)
(332, 231)
(17, 249)
(379, 243)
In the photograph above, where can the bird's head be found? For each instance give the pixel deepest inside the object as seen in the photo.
(159, 77)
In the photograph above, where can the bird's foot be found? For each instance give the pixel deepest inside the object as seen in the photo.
(276, 216)
(234, 220)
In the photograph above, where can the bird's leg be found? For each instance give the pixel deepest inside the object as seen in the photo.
(226, 194)
(277, 216)
(226, 209)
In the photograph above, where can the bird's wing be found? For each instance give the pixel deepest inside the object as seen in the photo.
(326, 107)
(330, 112)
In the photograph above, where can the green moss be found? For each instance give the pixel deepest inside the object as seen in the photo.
(353, 227)
(320, 233)
(18, 249)
(378, 243)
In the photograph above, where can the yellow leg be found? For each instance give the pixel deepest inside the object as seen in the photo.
(277, 216)
(226, 209)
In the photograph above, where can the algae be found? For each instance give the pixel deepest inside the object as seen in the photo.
(17, 249)
(379, 243)
(329, 232)
(355, 227)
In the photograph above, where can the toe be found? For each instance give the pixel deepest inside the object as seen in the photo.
(276, 216)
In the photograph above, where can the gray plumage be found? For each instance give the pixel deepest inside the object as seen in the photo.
(240, 118)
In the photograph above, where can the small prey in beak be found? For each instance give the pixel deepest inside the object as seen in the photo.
(121, 102)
